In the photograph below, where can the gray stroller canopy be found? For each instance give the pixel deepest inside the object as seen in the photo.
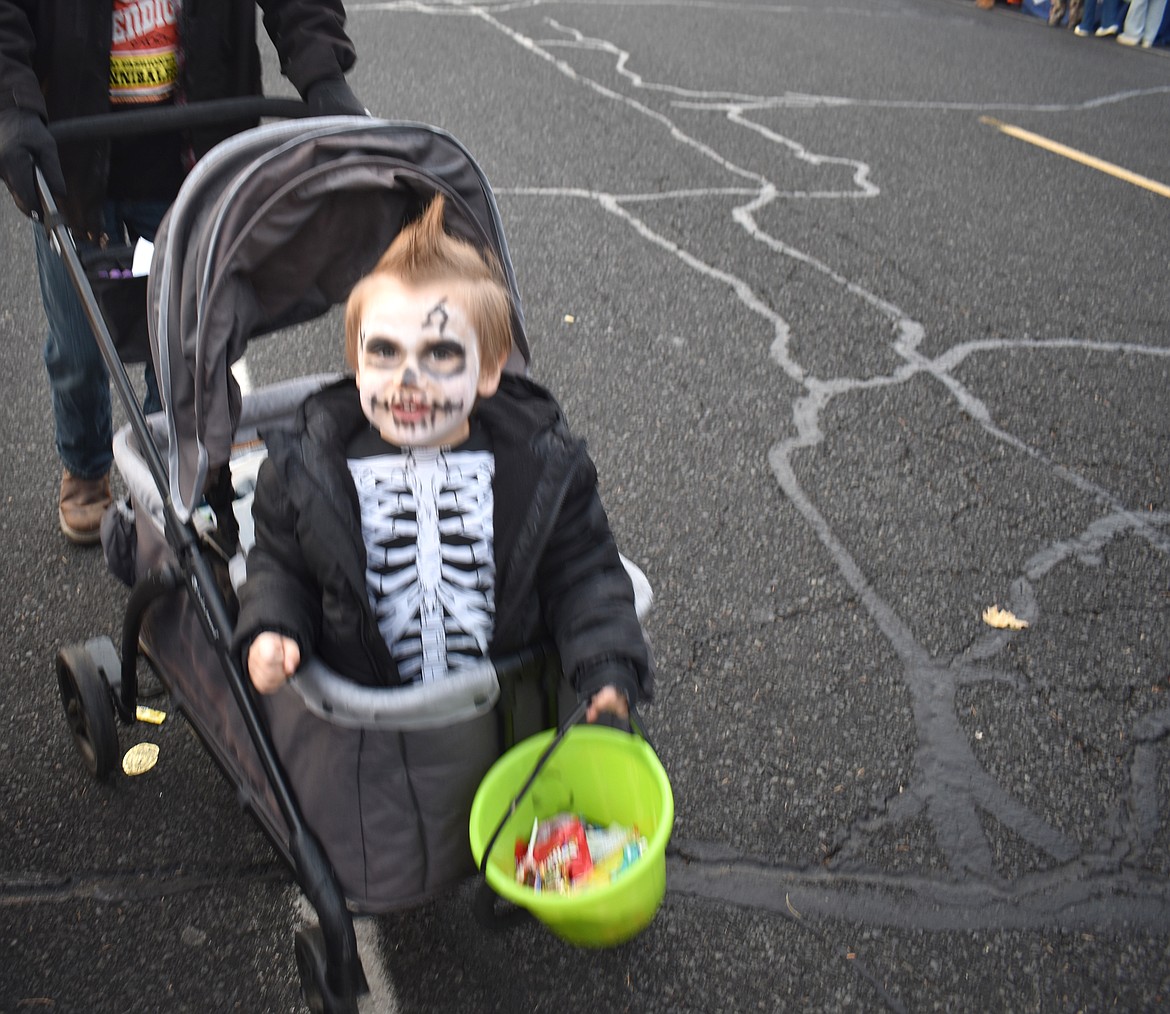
(272, 228)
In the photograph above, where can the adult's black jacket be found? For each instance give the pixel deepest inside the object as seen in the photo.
(54, 61)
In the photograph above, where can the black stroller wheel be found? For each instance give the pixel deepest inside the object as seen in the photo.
(89, 711)
(311, 964)
(310, 954)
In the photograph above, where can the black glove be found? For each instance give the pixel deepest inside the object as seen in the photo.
(25, 142)
(331, 96)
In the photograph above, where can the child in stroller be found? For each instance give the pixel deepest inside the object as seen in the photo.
(434, 509)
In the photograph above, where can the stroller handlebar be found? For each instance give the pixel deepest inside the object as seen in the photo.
(458, 698)
(464, 694)
(160, 118)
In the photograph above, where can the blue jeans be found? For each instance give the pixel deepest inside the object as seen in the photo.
(78, 379)
(1110, 15)
(1144, 19)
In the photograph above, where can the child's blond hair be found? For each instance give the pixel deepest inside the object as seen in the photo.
(424, 253)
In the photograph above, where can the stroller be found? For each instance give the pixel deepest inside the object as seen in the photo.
(250, 247)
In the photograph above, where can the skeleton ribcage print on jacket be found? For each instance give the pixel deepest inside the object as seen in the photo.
(427, 524)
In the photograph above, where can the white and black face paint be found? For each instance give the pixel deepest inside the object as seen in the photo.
(418, 366)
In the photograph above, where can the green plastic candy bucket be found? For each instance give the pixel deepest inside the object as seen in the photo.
(607, 777)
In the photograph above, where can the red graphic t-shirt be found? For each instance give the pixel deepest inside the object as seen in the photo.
(144, 52)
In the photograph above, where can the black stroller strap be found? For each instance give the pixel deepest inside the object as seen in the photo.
(486, 913)
(573, 719)
(220, 495)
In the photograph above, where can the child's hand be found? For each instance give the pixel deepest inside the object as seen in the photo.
(610, 700)
(272, 659)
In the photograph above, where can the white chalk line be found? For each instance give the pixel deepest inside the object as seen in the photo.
(505, 6)
(790, 100)
(906, 337)
(910, 332)
(969, 846)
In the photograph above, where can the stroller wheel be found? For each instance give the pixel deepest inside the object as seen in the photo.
(312, 966)
(89, 711)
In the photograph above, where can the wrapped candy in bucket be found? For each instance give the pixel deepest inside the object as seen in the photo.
(566, 854)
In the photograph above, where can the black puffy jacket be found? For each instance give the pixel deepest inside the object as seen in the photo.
(54, 61)
(558, 573)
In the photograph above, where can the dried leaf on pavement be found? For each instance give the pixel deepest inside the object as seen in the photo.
(1001, 619)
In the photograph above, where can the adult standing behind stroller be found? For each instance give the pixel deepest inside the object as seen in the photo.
(61, 59)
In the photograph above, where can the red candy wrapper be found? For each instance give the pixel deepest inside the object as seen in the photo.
(556, 856)
(565, 854)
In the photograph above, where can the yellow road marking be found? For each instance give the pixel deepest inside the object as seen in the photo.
(1078, 156)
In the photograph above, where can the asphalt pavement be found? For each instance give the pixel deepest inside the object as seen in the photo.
(863, 310)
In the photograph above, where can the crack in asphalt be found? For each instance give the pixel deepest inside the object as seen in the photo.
(1081, 895)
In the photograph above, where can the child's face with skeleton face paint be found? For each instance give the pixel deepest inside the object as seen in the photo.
(418, 365)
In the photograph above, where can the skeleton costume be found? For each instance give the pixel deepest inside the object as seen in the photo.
(427, 525)
(393, 566)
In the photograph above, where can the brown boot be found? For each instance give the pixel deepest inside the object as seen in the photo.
(1055, 13)
(1076, 10)
(83, 502)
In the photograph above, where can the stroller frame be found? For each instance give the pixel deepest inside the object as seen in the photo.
(98, 687)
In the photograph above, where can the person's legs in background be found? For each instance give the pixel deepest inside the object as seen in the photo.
(1110, 18)
(137, 219)
(1088, 22)
(78, 380)
(80, 391)
(1155, 12)
(1135, 21)
(1057, 8)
